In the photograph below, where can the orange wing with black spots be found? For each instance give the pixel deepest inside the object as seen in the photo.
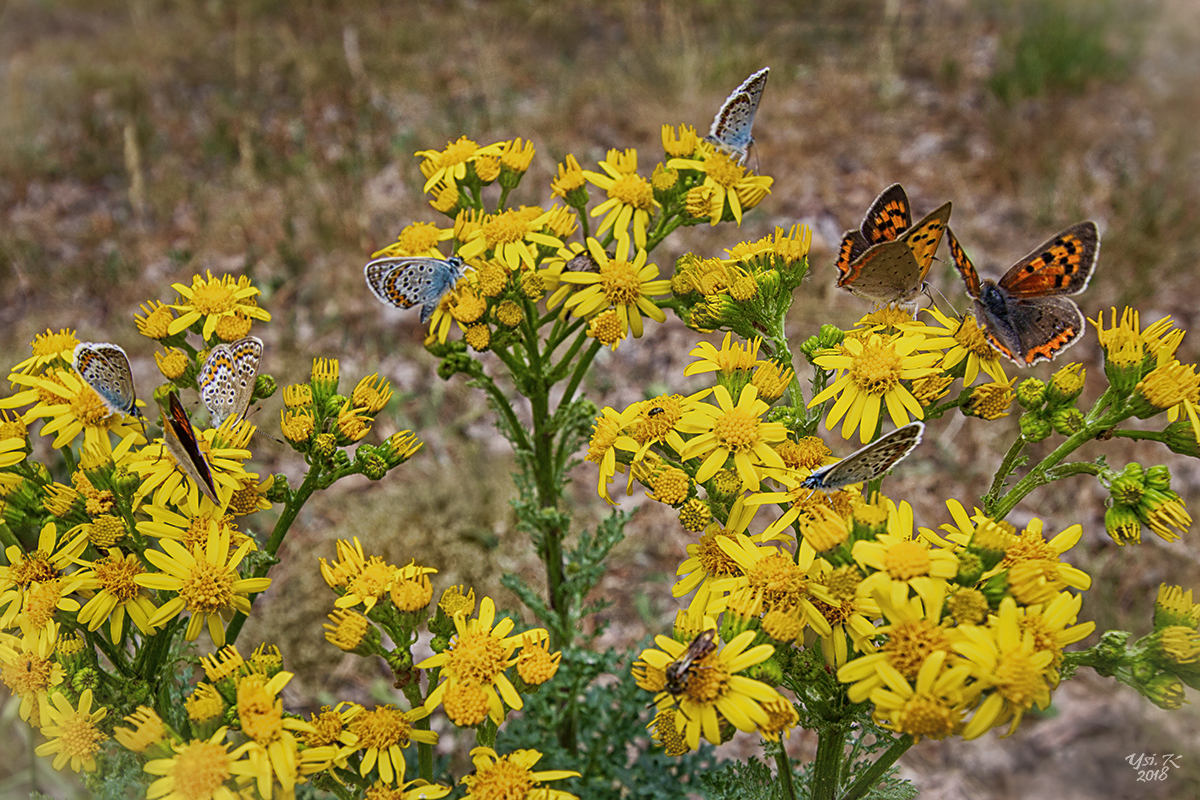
(925, 237)
(963, 264)
(888, 217)
(1061, 265)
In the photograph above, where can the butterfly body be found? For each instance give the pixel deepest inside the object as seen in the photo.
(730, 130)
(179, 437)
(1026, 314)
(414, 281)
(227, 378)
(105, 368)
(888, 258)
(867, 462)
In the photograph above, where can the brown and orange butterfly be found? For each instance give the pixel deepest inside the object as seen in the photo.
(888, 257)
(179, 437)
(1025, 315)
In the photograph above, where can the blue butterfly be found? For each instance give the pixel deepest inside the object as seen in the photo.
(730, 130)
(105, 368)
(414, 281)
(868, 462)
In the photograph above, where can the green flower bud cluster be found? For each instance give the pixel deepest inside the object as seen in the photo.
(1051, 407)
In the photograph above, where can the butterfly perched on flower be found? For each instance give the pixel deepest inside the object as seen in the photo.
(1026, 315)
(868, 462)
(227, 378)
(179, 437)
(414, 281)
(888, 258)
(105, 368)
(730, 130)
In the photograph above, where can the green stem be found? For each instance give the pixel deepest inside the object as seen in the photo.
(1041, 474)
(784, 768)
(827, 765)
(580, 371)
(1007, 466)
(866, 780)
(510, 416)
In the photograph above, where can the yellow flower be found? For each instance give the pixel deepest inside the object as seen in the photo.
(274, 751)
(223, 449)
(727, 184)
(512, 236)
(931, 705)
(477, 658)
(620, 283)
(512, 776)
(728, 430)
(206, 583)
(199, 770)
(897, 562)
(991, 400)
(418, 239)
(630, 196)
(73, 408)
(450, 164)
(116, 593)
(1002, 657)
(569, 181)
(713, 690)
(679, 145)
(73, 734)
(49, 349)
(214, 300)
(730, 359)
(47, 563)
(872, 371)
(965, 339)
(29, 669)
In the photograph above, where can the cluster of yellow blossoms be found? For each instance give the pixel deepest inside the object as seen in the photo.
(519, 256)
(945, 632)
(131, 535)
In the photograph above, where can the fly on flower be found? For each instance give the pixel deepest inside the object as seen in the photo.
(105, 368)
(868, 462)
(180, 440)
(730, 130)
(414, 281)
(679, 671)
(227, 378)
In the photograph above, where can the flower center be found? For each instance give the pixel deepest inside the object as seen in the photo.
(633, 190)
(116, 576)
(477, 658)
(779, 579)
(501, 780)
(373, 580)
(457, 152)
(926, 716)
(213, 297)
(1018, 678)
(971, 337)
(36, 568)
(89, 409)
(910, 643)
(80, 737)
(713, 559)
(200, 770)
(381, 728)
(722, 170)
(51, 344)
(504, 228)
(876, 370)
(737, 430)
(620, 282)
(27, 673)
(207, 588)
(906, 560)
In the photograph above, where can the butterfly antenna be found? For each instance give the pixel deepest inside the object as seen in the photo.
(944, 298)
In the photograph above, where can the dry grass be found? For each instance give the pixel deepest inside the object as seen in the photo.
(143, 141)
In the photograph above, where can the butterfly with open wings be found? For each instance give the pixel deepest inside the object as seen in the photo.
(414, 281)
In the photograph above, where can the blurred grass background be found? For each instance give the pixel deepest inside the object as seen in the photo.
(144, 141)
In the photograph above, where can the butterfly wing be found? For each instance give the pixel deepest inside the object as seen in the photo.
(1044, 327)
(406, 282)
(105, 368)
(888, 217)
(853, 245)
(1061, 265)
(925, 237)
(868, 462)
(179, 437)
(227, 378)
(964, 266)
(731, 127)
(884, 272)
